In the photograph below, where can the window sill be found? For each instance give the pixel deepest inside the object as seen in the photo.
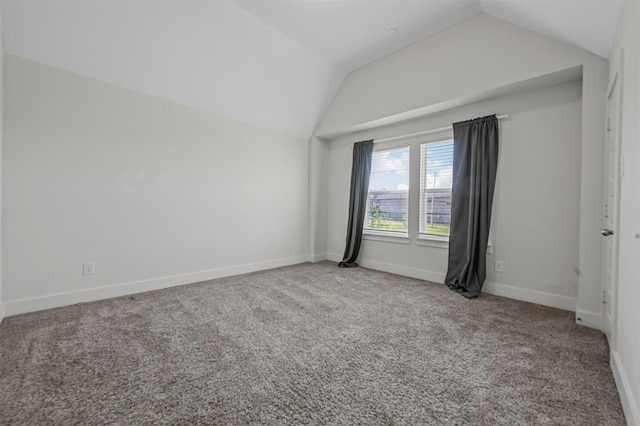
(432, 241)
(387, 237)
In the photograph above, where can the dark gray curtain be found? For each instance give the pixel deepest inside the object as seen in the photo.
(475, 161)
(357, 201)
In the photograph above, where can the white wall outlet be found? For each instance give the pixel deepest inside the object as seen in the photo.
(88, 268)
(498, 267)
(489, 248)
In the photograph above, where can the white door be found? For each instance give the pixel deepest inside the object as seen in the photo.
(610, 212)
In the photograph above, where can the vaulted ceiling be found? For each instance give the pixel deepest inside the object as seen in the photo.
(273, 64)
(350, 34)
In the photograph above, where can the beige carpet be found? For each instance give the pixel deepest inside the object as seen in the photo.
(306, 344)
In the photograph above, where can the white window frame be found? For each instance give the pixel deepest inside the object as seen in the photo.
(423, 237)
(389, 235)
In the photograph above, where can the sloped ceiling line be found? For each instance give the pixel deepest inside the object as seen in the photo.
(272, 64)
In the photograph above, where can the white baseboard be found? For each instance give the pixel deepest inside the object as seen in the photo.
(1, 312)
(526, 295)
(547, 299)
(407, 271)
(314, 258)
(627, 399)
(22, 306)
(589, 319)
(334, 257)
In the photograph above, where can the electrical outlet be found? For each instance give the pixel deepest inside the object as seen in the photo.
(88, 268)
(498, 267)
(489, 248)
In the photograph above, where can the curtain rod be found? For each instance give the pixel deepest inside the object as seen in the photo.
(426, 132)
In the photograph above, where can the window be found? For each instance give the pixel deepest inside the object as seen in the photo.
(436, 172)
(387, 201)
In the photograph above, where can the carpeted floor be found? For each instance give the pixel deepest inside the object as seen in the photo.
(306, 344)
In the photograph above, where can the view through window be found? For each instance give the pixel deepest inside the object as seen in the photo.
(387, 201)
(436, 173)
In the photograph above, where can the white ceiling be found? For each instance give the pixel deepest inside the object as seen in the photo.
(588, 24)
(211, 55)
(352, 33)
(273, 64)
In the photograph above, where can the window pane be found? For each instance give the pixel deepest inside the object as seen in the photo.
(436, 171)
(439, 164)
(437, 208)
(387, 203)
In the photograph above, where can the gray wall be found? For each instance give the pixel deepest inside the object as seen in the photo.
(476, 60)
(1, 149)
(155, 193)
(537, 200)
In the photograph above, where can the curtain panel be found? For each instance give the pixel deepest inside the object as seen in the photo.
(359, 188)
(475, 162)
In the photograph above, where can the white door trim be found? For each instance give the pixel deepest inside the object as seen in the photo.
(610, 302)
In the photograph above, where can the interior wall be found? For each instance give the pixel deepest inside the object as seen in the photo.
(477, 55)
(625, 355)
(461, 65)
(537, 198)
(1, 173)
(217, 57)
(153, 192)
(318, 163)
